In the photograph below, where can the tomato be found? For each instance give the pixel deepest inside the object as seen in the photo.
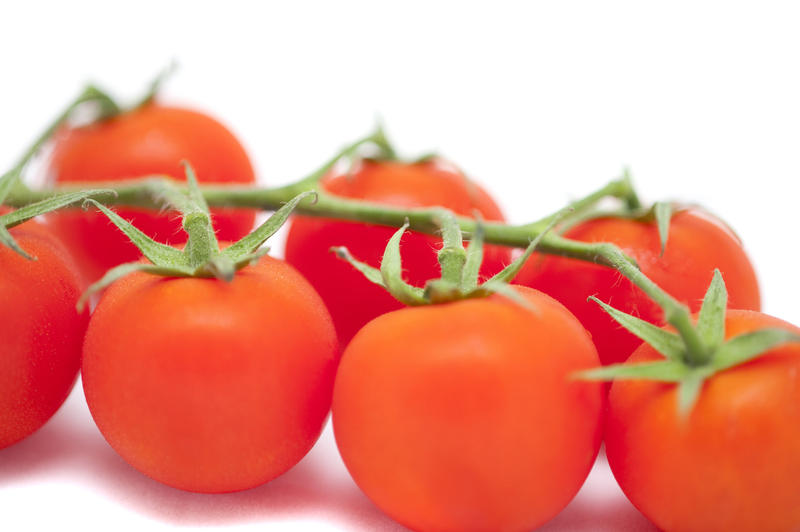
(351, 299)
(210, 386)
(734, 464)
(463, 416)
(151, 140)
(40, 331)
(697, 244)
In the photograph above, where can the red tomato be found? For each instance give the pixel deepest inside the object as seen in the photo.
(697, 244)
(151, 140)
(211, 386)
(463, 417)
(40, 331)
(734, 464)
(351, 299)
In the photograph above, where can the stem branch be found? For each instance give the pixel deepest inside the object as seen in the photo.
(145, 192)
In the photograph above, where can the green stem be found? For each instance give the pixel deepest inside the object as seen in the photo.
(376, 138)
(427, 220)
(141, 193)
(619, 188)
(675, 313)
(631, 199)
(452, 256)
(89, 94)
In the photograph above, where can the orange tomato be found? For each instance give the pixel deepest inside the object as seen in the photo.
(211, 386)
(463, 417)
(40, 331)
(150, 140)
(734, 464)
(352, 300)
(697, 245)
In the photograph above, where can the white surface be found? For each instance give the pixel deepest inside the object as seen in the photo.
(540, 103)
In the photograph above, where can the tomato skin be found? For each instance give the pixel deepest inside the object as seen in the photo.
(210, 386)
(151, 140)
(40, 331)
(697, 245)
(352, 300)
(463, 417)
(734, 464)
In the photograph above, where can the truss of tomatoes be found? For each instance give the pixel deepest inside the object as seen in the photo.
(459, 416)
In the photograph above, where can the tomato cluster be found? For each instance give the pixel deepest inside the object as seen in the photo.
(464, 415)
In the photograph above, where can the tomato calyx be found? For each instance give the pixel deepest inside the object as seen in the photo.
(690, 366)
(201, 256)
(460, 267)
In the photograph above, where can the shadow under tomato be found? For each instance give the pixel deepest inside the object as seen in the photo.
(62, 444)
(311, 489)
(600, 506)
(71, 449)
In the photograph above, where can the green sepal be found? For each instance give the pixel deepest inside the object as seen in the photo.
(24, 214)
(663, 214)
(250, 258)
(155, 85)
(248, 244)
(392, 272)
(372, 274)
(689, 380)
(389, 276)
(748, 346)
(661, 371)
(711, 320)
(156, 252)
(668, 344)
(218, 266)
(7, 240)
(122, 270)
(689, 391)
(474, 258)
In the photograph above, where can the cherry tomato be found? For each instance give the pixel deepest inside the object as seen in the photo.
(351, 299)
(40, 331)
(697, 244)
(734, 464)
(210, 386)
(463, 417)
(151, 140)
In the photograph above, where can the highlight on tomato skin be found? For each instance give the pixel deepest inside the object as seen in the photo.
(697, 244)
(463, 417)
(734, 463)
(40, 329)
(210, 386)
(352, 300)
(151, 140)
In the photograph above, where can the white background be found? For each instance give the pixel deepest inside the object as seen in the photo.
(540, 102)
